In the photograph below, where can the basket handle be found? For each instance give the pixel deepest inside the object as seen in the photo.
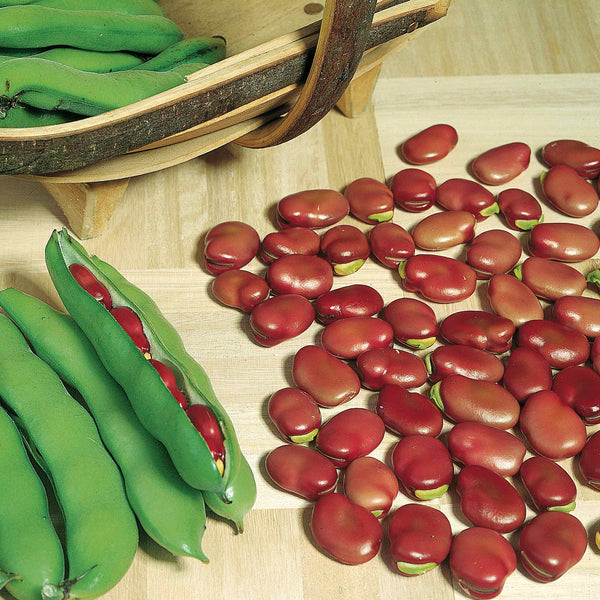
(342, 40)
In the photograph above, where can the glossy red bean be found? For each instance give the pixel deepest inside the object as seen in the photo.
(356, 300)
(408, 413)
(566, 242)
(550, 280)
(371, 484)
(488, 500)
(493, 252)
(414, 190)
(281, 318)
(309, 276)
(420, 538)
(383, 366)
(464, 194)
(345, 531)
(430, 144)
(549, 486)
(463, 360)
(301, 470)
(550, 544)
(293, 240)
(520, 209)
(346, 248)
(501, 164)
(295, 414)
(578, 312)
(552, 428)
(370, 200)
(511, 298)
(579, 388)
(349, 338)
(462, 399)
(414, 322)
(132, 325)
(526, 372)
(168, 378)
(240, 289)
(423, 466)
(595, 355)
(568, 192)
(390, 244)
(583, 158)
(230, 245)
(561, 346)
(480, 329)
(438, 278)
(205, 422)
(485, 446)
(350, 434)
(327, 379)
(312, 208)
(443, 230)
(86, 279)
(589, 461)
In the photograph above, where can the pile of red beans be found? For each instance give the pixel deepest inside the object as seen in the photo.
(547, 387)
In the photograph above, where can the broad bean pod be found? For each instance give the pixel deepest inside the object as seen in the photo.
(130, 7)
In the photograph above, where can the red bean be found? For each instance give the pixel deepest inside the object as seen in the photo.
(391, 244)
(520, 209)
(480, 329)
(485, 446)
(349, 338)
(85, 278)
(589, 461)
(301, 470)
(420, 538)
(240, 289)
(444, 230)
(579, 388)
(550, 280)
(295, 414)
(312, 208)
(204, 421)
(578, 312)
(345, 531)
(408, 413)
(550, 544)
(371, 484)
(230, 245)
(294, 240)
(493, 252)
(583, 158)
(480, 561)
(281, 318)
(526, 372)
(548, 484)
(132, 325)
(355, 300)
(568, 192)
(382, 366)
(501, 164)
(462, 399)
(327, 379)
(414, 190)
(464, 194)
(552, 428)
(414, 322)
(463, 360)
(309, 276)
(423, 466)
(370, 200)
(346, 248)
(488, 500)
(566, 242)
(512, 299)
(350, 434)
(168, 378)
(438, 278)
(430, 145)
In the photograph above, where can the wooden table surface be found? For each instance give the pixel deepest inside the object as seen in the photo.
(497, 71)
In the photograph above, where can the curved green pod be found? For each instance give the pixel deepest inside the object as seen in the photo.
(154, 405)
(30, 552)
(25, 116)
(100, 529)
(171, 512)
(125, 7)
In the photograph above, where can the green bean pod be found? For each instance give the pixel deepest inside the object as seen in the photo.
(124, 7)
(32, 26)
(153, 403)
(100, 529)
(171, 512)
(25, 116)
(30, 552)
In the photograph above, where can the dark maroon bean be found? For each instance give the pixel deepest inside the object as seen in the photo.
(526, 372)
(512, 299)
(370, 200)
(230, 245)
(464, 194)
(463, 360)
(309, 276)
(355, 300)
(444, 230)
(579, 388)
(414, 322)
(382, 366)
(501, 164)
(568, 192)
(295, 414)
(480, 329)
(589, 461)
(240, 289)
(346, 248)
(391, 244)
(580, 313)
(430, 145)
(312, 208)
(548, 484)
(550, 280)
(349, 338)
(583, 158)
(493, 252)
(294, 240)
(520, 209)
(566, 242)
(414, 190)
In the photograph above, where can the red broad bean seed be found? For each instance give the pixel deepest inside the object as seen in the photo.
(493, 252)
(501, 164)
(309, 276)
(414, 190)
(480, 329)
(579, 388)
(549, 486)
(463, 360)
(345, 531)
(550, 280)
(552, 428)
(90, 284)
(414, 322)
(408, 413)
(349, 338)
(370, 200)
(346, 248)
(327, 379)
(391, 244)
(464, 194)
(423, 466)
(295, 414)
(578, 312)
(511, 298)
(294, 240)
(583, 158)
(230, 245)
(382, 366)
(132, 325)
(444, 230)
(430, 145)
(168, 378)
(240, 289)
(526, 372)
(565, 242)
(589, 461)
(520, 209)
(568, 192)
(312, 208)
(355, 300)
